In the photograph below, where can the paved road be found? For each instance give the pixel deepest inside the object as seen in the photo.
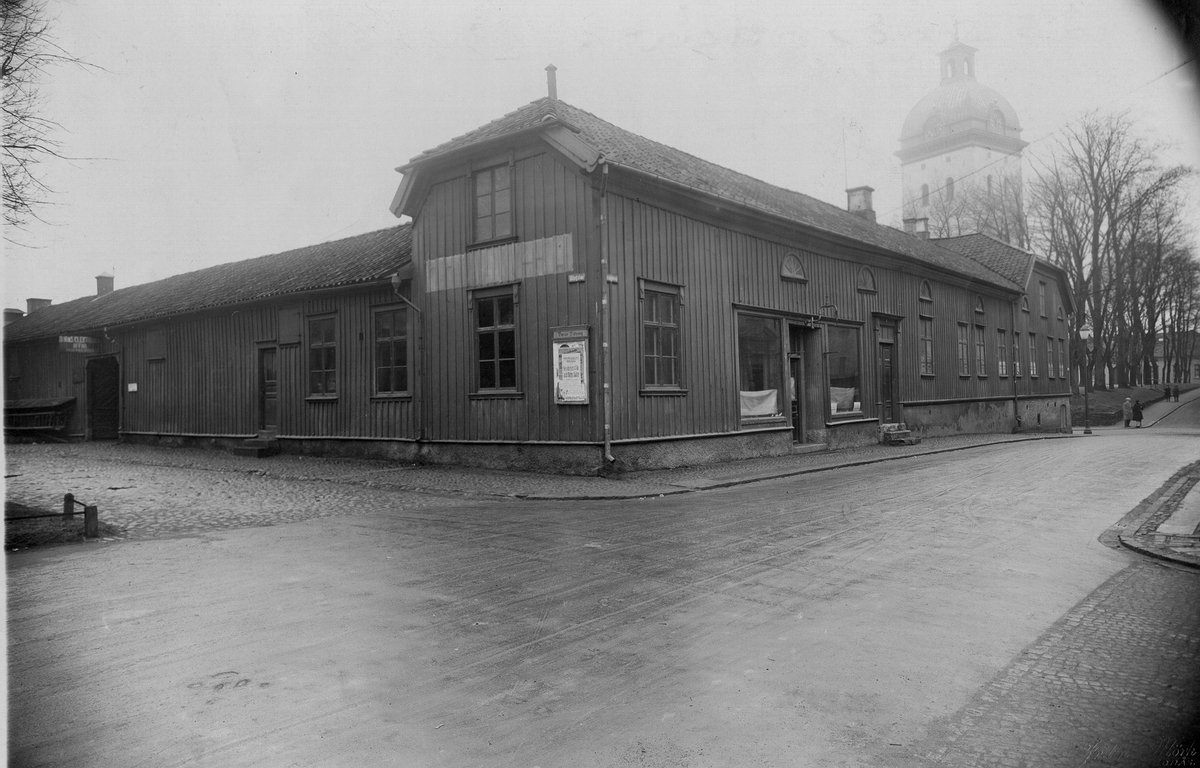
(949, 610)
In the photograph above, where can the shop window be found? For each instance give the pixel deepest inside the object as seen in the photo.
(660, 337)
(925, 337)
(760, 366)
(980, 352)
(391, 351)
(322, 356)
(1001, 352)
(845, 393)
(493, 204)
(495, 339)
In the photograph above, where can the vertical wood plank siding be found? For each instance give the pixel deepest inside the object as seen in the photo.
(550, 200)
(44, 371)
(207, 382)
(720, 267)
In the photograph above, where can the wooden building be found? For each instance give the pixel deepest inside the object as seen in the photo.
(576, 298)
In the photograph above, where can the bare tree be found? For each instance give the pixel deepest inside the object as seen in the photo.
(27, 50)
(1087, 200)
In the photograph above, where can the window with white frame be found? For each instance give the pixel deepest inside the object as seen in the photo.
(1033, 367)
(322, 356)
(660, 337)
(391, 350)
(493, 203)
(980, 352)
(1001, 352)
(495, 339)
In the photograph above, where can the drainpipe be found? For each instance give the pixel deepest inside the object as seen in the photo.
(419, 379)
(1014, 359)
(605, 318)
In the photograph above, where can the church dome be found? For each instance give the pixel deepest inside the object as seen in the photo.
(959, 103)
(955, 101)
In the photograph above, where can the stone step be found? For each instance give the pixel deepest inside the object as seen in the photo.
(256, 447)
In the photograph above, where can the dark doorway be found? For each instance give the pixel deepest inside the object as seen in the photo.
(268, 390)
(797, 394)
(889, 408)
(104, 398)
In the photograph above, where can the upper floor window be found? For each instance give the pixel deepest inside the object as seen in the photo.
(925, 292)
(1024, 303)
(493, 203)
(322, 356)
(391, 351)
(866, 280)
(979, 310)
(660, 337)
(496, 339)
(1042, 298)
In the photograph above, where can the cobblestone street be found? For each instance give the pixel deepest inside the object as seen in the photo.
(1115, 682)
(928, 610)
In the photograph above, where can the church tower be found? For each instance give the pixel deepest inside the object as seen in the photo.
(960, 155)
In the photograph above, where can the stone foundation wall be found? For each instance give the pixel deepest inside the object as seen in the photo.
(700, 450)
(1042, 414)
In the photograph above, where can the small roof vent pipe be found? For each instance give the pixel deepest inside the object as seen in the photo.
(552, 81)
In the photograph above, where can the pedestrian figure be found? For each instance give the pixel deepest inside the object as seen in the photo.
(1137, 412)
(1127, 411)
(1175, 393)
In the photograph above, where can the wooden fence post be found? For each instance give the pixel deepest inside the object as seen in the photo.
(69, 506)
(91, 522)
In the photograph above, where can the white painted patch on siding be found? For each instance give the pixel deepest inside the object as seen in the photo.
(501, 264)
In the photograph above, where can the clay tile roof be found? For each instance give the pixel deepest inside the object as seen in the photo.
(363, 258)
(646, 156)
(1006, 260)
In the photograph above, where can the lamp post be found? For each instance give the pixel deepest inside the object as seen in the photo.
(1087, 416)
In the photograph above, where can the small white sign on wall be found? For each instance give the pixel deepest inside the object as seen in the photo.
(132, 386)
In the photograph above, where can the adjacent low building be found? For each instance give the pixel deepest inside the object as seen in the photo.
(571, 296)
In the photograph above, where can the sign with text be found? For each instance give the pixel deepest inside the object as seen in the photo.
(88, 345)
(569, 352)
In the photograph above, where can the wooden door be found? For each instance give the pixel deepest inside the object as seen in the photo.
(890, 411)
(268, 389)
(104, 398)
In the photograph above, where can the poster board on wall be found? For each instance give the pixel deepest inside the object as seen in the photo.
(569, 351)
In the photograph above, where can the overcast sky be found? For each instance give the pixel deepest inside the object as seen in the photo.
(218, 131)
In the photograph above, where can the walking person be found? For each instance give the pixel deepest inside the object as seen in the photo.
(1175, 393)
(1127, 411)
(1137, 412)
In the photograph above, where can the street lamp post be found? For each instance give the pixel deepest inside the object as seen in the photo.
(1087, 416)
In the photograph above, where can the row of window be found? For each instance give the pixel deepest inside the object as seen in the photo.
(390, 347)
(760, 344)
(976, 364)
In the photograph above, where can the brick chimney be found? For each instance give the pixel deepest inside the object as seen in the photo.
(11, 314)
(104, 283)
(33, 305)
(552, 81)
(917, 227)
(858, 202)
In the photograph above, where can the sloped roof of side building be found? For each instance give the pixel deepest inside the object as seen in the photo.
(353, 260)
